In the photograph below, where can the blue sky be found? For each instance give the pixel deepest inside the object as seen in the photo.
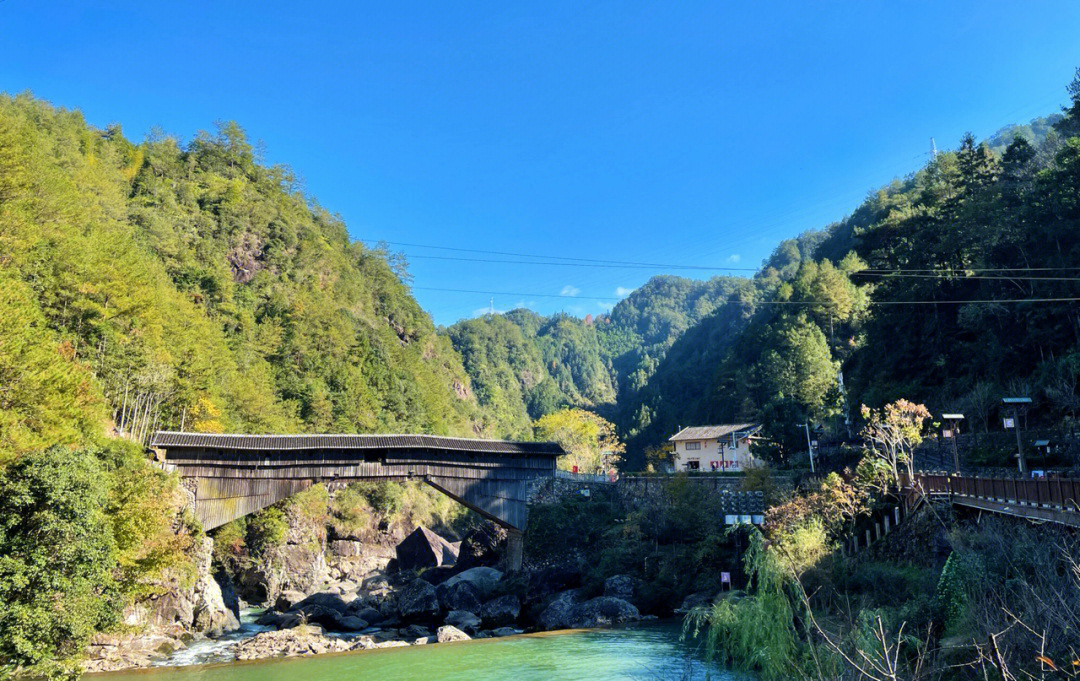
(671, 133)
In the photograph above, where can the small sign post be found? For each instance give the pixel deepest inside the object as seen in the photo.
(953, 434)
(725, 580)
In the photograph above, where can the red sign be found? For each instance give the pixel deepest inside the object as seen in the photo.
(715, 464)
(575, 469)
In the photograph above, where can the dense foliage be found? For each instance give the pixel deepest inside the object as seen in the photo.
(201, 286)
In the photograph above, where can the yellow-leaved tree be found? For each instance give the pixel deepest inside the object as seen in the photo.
(589, 440)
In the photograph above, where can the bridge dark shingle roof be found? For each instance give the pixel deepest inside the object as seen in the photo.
(177, 440)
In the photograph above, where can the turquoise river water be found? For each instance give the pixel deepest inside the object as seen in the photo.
(650, 652)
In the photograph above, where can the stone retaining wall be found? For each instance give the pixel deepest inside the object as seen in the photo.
(653, 490)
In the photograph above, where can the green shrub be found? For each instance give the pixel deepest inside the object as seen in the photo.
(952, 598)
(310, 505)
(266, 530)
(57, 559)
(230, 546)
(385, 498)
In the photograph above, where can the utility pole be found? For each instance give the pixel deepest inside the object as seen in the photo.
(1015, 404)
(933, 148)
(809, 447)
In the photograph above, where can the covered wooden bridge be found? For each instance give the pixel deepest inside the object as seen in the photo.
(234, 475)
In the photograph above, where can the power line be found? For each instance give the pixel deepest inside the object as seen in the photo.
(583, 261)
(552, 260)
(959, 276)
(986, 301)
(510, 293)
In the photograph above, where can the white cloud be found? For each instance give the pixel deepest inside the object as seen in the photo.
(733, 258)
(569, 290)
(623, 291)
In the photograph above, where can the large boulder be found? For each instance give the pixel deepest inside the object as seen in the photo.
(485, 579)
(437, 575)
(449, 633)
(424, 549)
(466, 621)
(459, 595)
(694, 601)
(557, 615)
(551, 580)
(327, 600)
(367, 613)
(602, 611)
(501, 611)
(484, 546)
(352, 623)
(621, 586)
(418, 601)
(287, 600)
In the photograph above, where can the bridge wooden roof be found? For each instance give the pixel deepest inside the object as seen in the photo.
(167, 439)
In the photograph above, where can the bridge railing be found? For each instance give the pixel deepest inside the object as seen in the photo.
(1059, 493)
(609, 478)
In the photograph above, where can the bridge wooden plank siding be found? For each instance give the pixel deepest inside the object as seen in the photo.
(235, 475)
(1049, 499)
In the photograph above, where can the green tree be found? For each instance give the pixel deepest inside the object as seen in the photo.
(57, 556)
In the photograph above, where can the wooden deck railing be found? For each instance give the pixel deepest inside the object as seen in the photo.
(1060, 494)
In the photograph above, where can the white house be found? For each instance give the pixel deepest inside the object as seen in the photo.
(714, 448)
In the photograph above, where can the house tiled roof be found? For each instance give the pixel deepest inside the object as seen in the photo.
(713, 432)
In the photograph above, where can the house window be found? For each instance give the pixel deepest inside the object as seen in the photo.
(692, 446)
(693, 465)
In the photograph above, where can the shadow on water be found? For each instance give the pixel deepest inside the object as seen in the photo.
(651, 652)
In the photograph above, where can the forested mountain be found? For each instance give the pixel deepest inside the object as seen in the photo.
(156, 284)
(919, 293)
(637, 333)
(524, 365)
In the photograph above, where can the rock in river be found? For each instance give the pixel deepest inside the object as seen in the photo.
(464, 620)
(458, 595)
(485, 579)
(418, 601)
(499, 612)
(304, 640)
(451, 633)
(423, 549)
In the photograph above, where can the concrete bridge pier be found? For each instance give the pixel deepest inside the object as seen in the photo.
(515, 548)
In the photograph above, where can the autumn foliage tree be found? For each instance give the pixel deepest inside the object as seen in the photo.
(892, 434)
(589, 440)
